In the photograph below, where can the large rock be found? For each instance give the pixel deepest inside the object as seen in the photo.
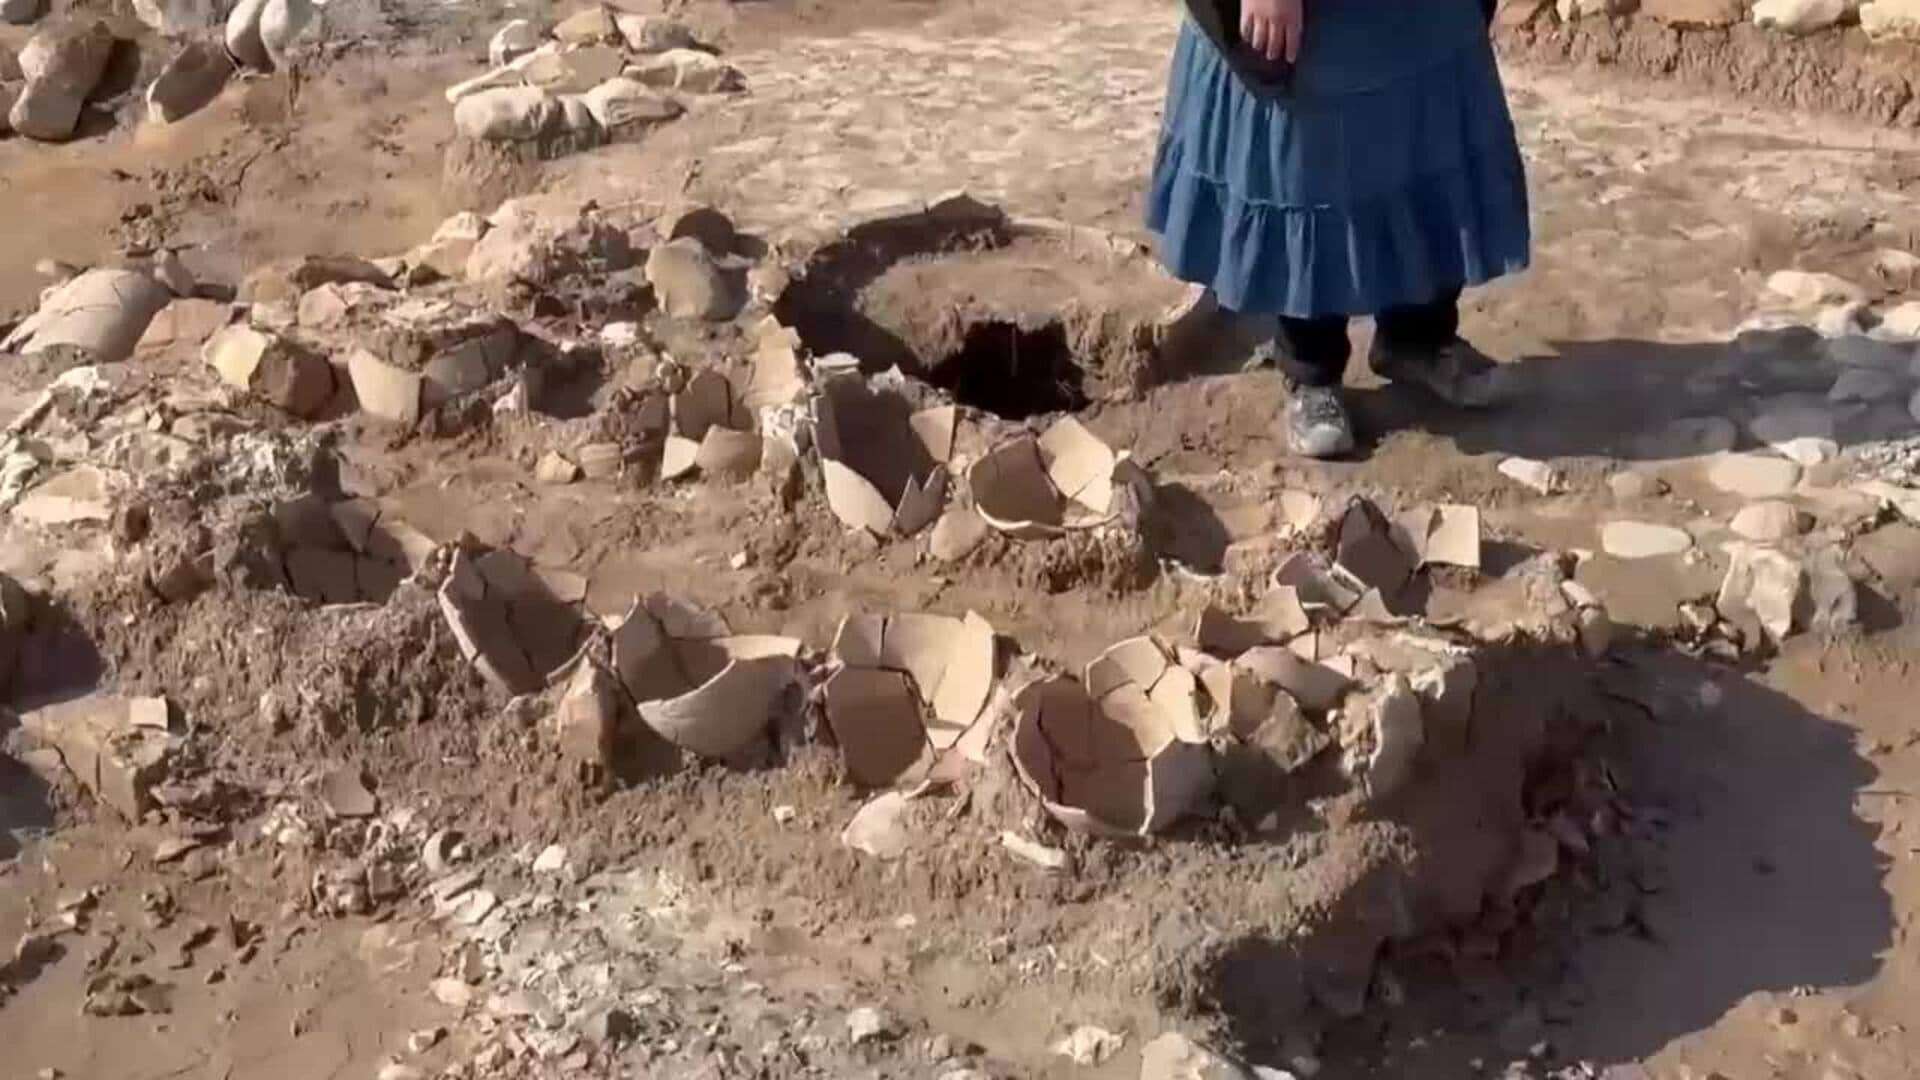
(104, 312)
(276, 370)
(512, 41)
(1695, 14)
(688, 70)
(1891, 20)
(174, 17)
(508, 114)
(586, 27)
(689, 285)
(625, 108)
(1799, 16)
(653, 33)
(21, 12)
(62, 66)
(189, 82)
(259, 32)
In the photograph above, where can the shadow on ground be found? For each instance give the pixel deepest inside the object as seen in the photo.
(1751, 873)
(1623, 399)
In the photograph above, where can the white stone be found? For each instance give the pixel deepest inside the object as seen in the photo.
(624, 107)
(507, 114)
(1896, 264)
(1537, 475)
(1769, 522)
(189, 82)
(512, 41)
(689, 70)
(551, 860)
(1574, 10)
(1643, 540)
(1798, 16)
(1753, 476)
(1903, 321)
(1841, 320)
(1173, 1056)
(653, 33)
(1891, 20)
(171, 17)
(1810, 290)
(465, 225)
(1767, 586)
(1088, 1046)
(867, 1024)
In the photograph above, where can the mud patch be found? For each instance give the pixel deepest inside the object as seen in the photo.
(1016, 317)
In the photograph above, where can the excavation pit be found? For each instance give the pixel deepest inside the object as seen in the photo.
(1014, 317)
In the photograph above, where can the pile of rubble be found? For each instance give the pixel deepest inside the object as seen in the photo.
(598, 75)
(1885, 21)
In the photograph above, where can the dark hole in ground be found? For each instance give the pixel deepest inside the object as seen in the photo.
(1013, 372)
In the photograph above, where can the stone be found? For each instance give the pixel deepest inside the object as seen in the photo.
(1833, 598)
(185, 322)
(1841, 320)
(1398, 734)
(690, 285)
(1766, 589)
(314, 271)
(586, 27)
(1574, 10)
(325, 306)
(551, 860)
(1538, 475)
(867, 1024)
(465, 225)
(172, 18)
(62, 66)
(1799, 287)
(956, 534)
(1088, 1046)
(171, 271)
(188, 83)
(1695, 14)
(1770, 522)
(1173, 1056)
(513, 40)
(1753, 476)
(1865, 385)
(385, 391)
(21, 12)
(452, 993)
(1040, 855)
(1633, 484)
(625, 108)
(653, 33)
(117, 763)
(103, 312)
(572, 71)
(507, 114)
(1891, 20)
(553, 468)
(1643, 540)
(10, 90)
(687, 70)
(1902, 322)
(1798, 16)
(264, 364)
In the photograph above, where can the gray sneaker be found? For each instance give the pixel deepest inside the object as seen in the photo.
(1317, 422)
(1456, 373)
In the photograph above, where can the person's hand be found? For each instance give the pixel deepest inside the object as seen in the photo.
(1272, 28)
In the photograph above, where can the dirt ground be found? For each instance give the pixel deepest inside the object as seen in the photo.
(1744, 915)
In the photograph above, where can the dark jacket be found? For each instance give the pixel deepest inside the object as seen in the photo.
(1220, 21)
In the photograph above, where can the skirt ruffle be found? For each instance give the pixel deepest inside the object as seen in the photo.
(1343, 204)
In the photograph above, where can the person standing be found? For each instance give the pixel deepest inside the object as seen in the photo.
(1326, 159)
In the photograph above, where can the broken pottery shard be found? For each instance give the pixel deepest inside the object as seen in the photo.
(1314, 686)
(1453, 537)
(1133, 761)
(1375, 552)
(188, 83)
(1032, 851)
(698, 686)
(876, 723)
(481, 624)
(884, 467)
(880, 718)
(727, 453)
(104, 312)
(1538, 475)
(1315, 584)
(877, 829)
(1066, 479)
(385, 391)
(1279, 618)
(118, 763)
(185, 322)
(1398, 733)
(956, 534)
(1642, 540)
(587, 718)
